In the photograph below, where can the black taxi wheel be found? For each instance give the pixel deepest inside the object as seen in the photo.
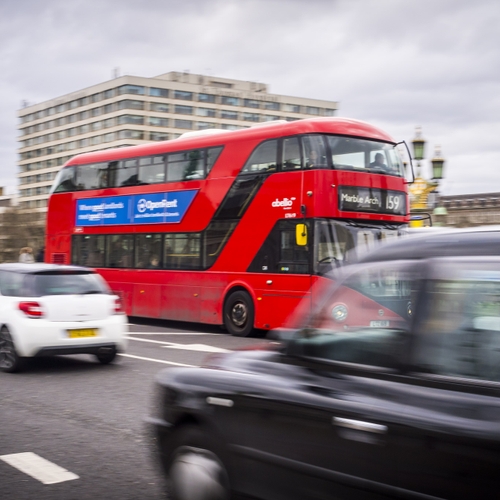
(195, 470)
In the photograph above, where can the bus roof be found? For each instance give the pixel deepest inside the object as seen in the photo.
(339, 126)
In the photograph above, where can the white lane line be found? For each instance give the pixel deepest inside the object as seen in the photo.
(154, 360)
(196, 347)
(172, 333)
(186, 347)
(149, 341)
(37, 467)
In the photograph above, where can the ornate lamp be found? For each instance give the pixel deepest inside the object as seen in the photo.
(437, 165)
(418, 145)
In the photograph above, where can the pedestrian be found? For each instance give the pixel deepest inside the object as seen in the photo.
(40, 256)
(26, 255)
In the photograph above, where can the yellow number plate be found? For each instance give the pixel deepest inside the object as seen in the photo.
(83, 332)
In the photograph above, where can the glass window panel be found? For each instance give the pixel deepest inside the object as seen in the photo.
(157, 92)
(186, 166)
(231, 101)
(182, 251)
(159, 106)
(120, 250)
(314, 151)
(131, 89)
(291, 154)
(182, 94)
(206, 98)
(148, 251)
(183, 110)
(263, 159)
(152, 170)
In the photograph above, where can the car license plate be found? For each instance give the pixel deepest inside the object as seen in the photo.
(379, 324)
(82, 332)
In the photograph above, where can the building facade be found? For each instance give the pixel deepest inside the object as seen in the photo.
(467, 210)
(131, 110)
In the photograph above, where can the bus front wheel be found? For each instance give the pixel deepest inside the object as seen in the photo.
(239, 314)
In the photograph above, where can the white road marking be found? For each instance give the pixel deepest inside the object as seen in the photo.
(172, 333)
(186, 347)
(196, 347)
(155, 360)
(39, 468)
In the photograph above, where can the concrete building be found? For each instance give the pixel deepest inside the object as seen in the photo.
(131, 110)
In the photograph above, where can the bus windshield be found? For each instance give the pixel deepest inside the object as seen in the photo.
(337, 243)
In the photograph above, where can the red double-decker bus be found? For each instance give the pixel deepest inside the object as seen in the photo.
(229, 227)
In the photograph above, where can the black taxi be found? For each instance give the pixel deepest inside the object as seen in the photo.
(391, 389)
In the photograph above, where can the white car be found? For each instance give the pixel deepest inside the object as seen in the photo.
(49, 309)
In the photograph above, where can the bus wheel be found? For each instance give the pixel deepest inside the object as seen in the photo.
(239, 314)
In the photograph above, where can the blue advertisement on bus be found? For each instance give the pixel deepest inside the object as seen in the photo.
(151, 208)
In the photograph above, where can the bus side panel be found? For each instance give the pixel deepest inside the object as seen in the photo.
(180, 296)
(278, 296)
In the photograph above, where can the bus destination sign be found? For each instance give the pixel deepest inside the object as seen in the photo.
(149, 208)
(363, 199)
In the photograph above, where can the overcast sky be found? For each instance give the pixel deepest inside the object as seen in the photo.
(395, 63)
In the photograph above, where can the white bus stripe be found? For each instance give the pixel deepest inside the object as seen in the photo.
(155, 360)
(37, 467)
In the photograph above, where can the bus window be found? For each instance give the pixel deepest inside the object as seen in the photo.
(314, 151)
(151, 170)
(263, 159)
(126, 174)
(182, 251)
(147, 249)
(88, 250)
(186, 165)
(65, 181)
(333, 241)
(291, 154)
(120, 250)
(212, 155)
(93, 176)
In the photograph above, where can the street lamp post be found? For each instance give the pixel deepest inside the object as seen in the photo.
(424, 195)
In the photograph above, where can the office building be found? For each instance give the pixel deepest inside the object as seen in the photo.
(131, 110)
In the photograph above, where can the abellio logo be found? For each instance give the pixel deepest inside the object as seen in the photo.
(286, 203)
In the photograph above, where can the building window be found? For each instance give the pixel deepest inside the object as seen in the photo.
(206, 112)
(131, 134)
(159, 106)
(205, 125)
(230, 115)
(158, 122)
(272, 105)
(156, 92)
(188, 124)
(130, 104)
(206, 98)
(183, 110)
(158, 136)
(227, 126)
(108, 94)
(291, 108)
(131, 89)
(135, 119)
(251, 103)
(312, 110)
(251, 117)
(231, 101)
(329, 112)
(182, 94)
(270, 118)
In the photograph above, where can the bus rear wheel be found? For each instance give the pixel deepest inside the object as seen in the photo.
(239, 314)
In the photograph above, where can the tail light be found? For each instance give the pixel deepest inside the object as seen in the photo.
(119, 306)
(31, 309)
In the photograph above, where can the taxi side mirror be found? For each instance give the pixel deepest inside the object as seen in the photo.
(301, 235)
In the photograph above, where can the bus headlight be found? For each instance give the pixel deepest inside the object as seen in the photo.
(339, 312)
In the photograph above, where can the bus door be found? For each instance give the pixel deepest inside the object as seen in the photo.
(283, 282)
